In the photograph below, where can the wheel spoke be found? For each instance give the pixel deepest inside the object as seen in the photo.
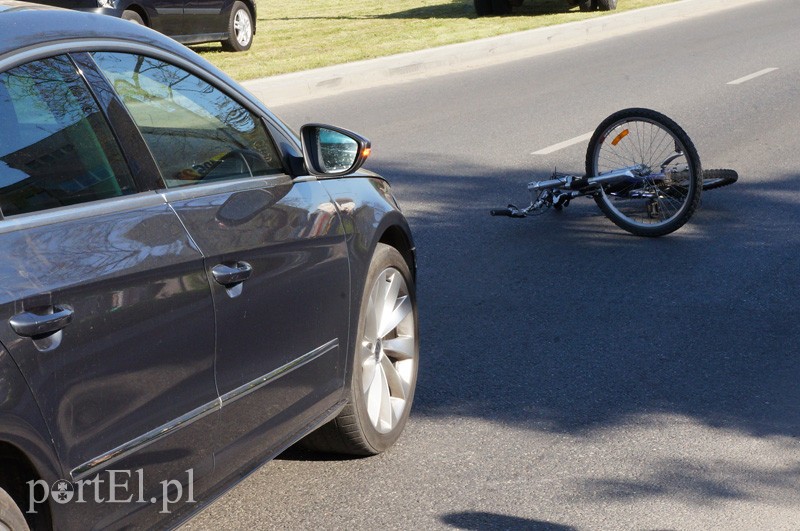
(393, 281)
(372, 317)
(376, 390)
(400, 348)
(368, 368)
(398, 388)
(390, 321)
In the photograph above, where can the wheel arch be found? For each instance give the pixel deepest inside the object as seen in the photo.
(27, 452)
(395, 236)
(251, 5)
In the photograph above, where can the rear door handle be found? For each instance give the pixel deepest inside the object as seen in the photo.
(230, 275)
(29, 324)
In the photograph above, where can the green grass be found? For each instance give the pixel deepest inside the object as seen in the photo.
(295, 35)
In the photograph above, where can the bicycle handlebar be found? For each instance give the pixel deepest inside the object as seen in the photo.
(509, 212)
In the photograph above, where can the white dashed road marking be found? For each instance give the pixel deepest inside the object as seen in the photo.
(564, 144)
(751, 76)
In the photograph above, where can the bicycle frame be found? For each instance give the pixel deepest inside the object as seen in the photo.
(563, 188)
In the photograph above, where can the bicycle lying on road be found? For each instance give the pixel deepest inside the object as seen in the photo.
(643, 171)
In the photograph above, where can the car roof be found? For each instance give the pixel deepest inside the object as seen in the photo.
(23, 25)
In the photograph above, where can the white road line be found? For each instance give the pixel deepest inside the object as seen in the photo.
(564, 144)
(751, 76)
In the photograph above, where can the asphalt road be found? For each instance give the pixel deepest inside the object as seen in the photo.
(572, 375)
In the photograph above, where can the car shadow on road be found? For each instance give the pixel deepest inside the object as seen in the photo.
(484, 520)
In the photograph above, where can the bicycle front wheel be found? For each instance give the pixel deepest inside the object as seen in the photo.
(665, 190)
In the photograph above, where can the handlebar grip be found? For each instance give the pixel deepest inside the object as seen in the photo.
(501, 212)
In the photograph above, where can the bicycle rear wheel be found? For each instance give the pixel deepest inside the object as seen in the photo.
(666, 188)
(718, 178)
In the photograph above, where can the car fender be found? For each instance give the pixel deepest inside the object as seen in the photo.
(376, 217)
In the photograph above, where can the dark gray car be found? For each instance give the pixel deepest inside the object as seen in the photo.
(187, 287)
(231, 22)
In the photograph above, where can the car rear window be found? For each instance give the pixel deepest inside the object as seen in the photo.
(56, 148)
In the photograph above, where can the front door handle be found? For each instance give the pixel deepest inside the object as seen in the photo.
(30, 324)
(230, 275)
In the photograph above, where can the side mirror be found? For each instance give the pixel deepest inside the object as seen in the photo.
(329, 150)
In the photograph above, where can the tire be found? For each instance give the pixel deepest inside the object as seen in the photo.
(587, 5)
(667, 192)
(501, 7)
(483, 7)
(241, 29)
(10, 515)
(384, 365)
(718, 178)
(132, 16)
(606, 5)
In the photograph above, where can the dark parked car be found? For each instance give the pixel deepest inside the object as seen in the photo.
(186, 287)
(232, 22)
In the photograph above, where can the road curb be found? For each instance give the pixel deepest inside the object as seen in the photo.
(327, 81)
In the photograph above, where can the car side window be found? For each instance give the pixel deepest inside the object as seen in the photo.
(56, 148)
(196, 133)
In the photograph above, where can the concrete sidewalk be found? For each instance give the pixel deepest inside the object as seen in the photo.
(321, 82)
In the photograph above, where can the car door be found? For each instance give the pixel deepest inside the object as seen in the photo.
(205, 17)
(104, 301)
(275, 252)
(166, 16)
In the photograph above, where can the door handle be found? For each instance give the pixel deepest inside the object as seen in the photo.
(29, 324)
(229, 275)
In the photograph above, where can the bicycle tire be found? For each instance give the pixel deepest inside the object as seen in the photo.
(663, 198)
(717, 178)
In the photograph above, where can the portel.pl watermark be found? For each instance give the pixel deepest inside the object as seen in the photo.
(118, 486)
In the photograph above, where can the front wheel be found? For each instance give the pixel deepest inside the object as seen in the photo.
(241, 29)
(667, 182)
(384, 366)
(606, 5)
(10, 515)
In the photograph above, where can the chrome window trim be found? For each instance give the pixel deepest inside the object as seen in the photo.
(89, 209)
(192, 191)
(95, 465)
